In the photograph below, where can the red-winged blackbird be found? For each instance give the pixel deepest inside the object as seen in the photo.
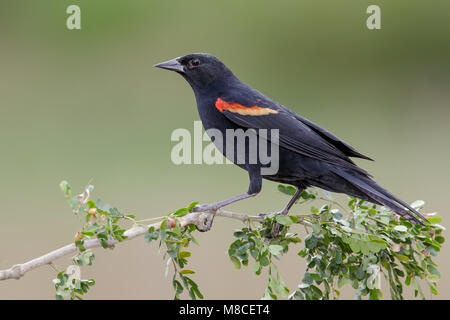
(308, 154)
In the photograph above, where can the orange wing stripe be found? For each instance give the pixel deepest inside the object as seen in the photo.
(234, 107)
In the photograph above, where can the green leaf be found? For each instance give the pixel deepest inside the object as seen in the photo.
(257, 268)
(104, 243)
(91, 204)
(433, 270)
(343, 281)
(284, 220)
(363, 247)
(338, 257)
(197, 292)
(336, 214)
(433, 290)
(306, 194)
(435, 219)
(151, 235)
(316, 227)
(66, 189)
(90, 234)
(354, 245)
(275, 249)
(115, 212)
(440, 239)
(289, 190)
(418, 204)
(311, 241)
(264, 261)
(236, 262)
(307, 279)
(375, 294)
(302, 253)
(192, 205)
(401, 228)
(186, 271)
(402, 257)
(184, 254)
(347, 229)
(399, 272)
(376, 246)
(180, 212)
(163, 225)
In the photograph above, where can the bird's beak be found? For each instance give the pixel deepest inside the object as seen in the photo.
(173, 65)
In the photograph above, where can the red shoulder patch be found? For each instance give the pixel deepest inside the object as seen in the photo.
(234, 107)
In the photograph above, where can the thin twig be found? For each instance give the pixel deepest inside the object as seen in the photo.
(335, 203)
(197, 218)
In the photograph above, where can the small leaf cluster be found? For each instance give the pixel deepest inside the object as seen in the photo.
(98, 222)
(101, 222)
(258, 244)
(85, 258)
(73, 289)
(307, 195)
(357, 244)
(176, 240)
(370, 243)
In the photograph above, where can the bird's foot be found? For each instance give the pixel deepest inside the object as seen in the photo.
(205, 208)
(277, 227)
(276, 230)
(205, 221)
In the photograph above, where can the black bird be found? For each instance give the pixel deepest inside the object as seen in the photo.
(309, 155)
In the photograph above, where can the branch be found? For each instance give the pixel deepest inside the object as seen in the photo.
(203, 221)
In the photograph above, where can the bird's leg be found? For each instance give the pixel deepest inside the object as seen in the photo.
(253, 190)
(213, 207)
(288, 206)
(277, 227)
(216, 206)
(291, 202)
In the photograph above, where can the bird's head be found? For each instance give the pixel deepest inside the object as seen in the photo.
(201, 70)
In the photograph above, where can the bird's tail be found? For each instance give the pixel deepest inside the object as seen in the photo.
(379, 195)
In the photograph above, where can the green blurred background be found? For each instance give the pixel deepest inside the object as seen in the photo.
(88, 104)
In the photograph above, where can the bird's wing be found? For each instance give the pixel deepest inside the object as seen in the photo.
(294, 134)
(331, 138)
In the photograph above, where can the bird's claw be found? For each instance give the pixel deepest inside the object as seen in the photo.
(205, 222)
(205, 219)
(278, 213)
(204, 208)
(276, 230)
(277, 227)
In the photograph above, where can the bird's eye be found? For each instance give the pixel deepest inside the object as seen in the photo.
(194, 63)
